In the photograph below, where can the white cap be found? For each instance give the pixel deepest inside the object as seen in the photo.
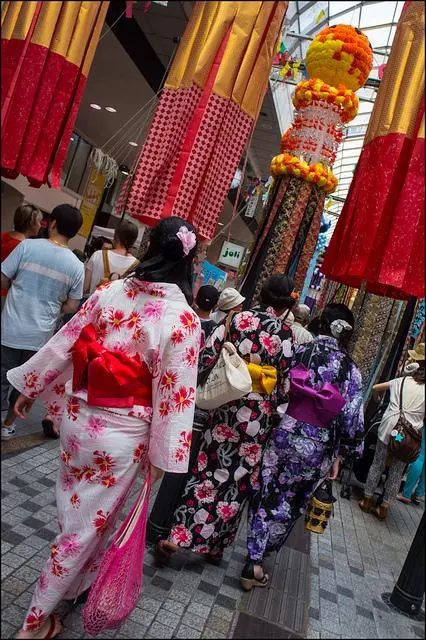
(229, 299)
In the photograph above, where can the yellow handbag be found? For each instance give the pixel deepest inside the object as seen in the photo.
(264, 378)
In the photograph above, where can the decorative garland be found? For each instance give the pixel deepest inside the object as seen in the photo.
(315, 89)
(340, 55)
(319, 174)
(338, 62)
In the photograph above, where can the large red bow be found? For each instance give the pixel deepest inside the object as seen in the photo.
(111, 378)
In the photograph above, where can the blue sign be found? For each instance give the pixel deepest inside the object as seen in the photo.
(213, 275)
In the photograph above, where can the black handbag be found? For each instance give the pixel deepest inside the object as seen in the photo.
(405, 440)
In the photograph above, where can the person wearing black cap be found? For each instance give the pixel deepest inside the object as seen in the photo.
(205, 303)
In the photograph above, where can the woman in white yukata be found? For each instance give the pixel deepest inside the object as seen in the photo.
(134, 349)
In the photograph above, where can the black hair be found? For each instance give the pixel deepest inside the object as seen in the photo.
(165, 260)
(419, 374)
(314, 326)
(68, 220)
(96, 244)
(207, 297)
(336, 311)
(126, 234)
(276, 292)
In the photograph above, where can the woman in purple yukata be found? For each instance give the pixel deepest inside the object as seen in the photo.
(300, 455)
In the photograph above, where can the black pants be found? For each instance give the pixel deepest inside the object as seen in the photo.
(172, 487)
(11, 358)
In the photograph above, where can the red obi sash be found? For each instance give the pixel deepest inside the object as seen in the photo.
(111, 378)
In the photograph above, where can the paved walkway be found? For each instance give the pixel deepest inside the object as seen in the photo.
(351, 565)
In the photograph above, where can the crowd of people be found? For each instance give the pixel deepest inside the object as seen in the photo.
(120, 380)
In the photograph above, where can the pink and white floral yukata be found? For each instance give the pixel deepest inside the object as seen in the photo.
(102, 450)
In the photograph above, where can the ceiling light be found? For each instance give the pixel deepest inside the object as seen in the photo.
(111, 109)
(220, 224)
(133, 144)
(124, 169)
(95, 106)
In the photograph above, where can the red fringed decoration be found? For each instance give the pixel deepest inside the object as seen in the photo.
(379, 238)
(47, 51)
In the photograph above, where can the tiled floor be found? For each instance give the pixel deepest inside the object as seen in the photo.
(353, 563)
(356, 560)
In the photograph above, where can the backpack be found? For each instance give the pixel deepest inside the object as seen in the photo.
(108, 276)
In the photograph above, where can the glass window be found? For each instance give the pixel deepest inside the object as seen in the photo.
(337, 7)
(70, 155)
(78, 166)
(378, 37)
(377, 13)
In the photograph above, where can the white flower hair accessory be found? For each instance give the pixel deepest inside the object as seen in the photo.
(337, 327)
(187, 238)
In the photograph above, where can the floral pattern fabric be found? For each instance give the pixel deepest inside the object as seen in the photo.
(102, 450)
(299, 455)
(214, 498)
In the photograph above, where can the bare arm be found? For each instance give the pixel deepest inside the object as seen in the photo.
(5, 282)
(70, 306)
(87, 281)
(379, 389)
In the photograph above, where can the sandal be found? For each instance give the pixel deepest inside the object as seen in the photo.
(214, 559)
(48, 429)
(248, 579)
(55, 627)
(162, 553)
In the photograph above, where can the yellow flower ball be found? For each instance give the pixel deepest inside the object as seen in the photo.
(340, 54)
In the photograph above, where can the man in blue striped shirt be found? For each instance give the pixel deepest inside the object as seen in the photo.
(44, 279)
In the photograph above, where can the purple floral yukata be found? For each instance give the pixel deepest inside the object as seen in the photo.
(299, 455)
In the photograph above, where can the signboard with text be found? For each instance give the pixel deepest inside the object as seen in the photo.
(231, 254)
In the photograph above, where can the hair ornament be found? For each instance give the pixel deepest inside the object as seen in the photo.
(337, 327)
(187, 238)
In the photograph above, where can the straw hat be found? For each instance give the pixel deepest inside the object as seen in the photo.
(418, 353)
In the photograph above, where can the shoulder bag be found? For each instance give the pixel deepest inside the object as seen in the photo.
(108, 276)
(229, 380)
(405, 440)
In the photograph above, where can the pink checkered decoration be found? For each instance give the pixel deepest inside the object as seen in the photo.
(210, 167)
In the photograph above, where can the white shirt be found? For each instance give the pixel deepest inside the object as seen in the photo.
(413, 405)
(300, 334)
(117, 264)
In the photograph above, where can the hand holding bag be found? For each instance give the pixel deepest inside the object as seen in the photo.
(405, 440)
(118, 585)
(229, 380)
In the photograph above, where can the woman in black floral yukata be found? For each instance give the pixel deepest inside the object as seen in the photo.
(207, 518)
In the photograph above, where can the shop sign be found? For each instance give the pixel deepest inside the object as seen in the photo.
(91, 200)
(231, 254)
(251, 207)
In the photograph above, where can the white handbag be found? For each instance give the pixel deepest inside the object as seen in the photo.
(229, 380)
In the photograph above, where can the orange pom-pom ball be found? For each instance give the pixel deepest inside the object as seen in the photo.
(340, 55)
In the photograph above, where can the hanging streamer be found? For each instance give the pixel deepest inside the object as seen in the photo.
(320, 16)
